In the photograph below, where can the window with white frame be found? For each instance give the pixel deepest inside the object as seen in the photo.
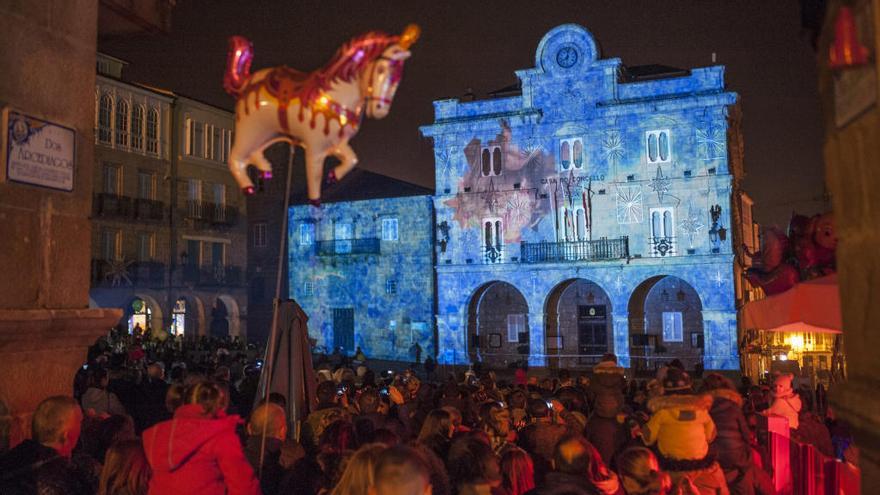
(391, 287)
(658, 147)
(137, 127)
(573, 223)
(146, 246)
(672, 326)
(153, 131)
(122, 123)
(571, 153)
(491, 161)
(516, 324)
(194, 194)
(260, 235)
(111, 244)
(308, 288)
(105, 117)
(493, 239)
(389, 229)
(306, 234)
(198, 139)
(662, 231)
(216, 144)
(228, 146)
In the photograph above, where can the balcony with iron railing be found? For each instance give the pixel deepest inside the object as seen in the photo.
(205, 213)
(212, 275)
(603, 249)
(345, 247)
(149, 210)
(109, 205)
(122, 273)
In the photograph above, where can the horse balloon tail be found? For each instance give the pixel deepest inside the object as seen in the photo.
(238, 65)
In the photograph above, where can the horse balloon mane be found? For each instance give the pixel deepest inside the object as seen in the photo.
(319, 110)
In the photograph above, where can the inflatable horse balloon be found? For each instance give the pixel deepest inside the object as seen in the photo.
(319, 111)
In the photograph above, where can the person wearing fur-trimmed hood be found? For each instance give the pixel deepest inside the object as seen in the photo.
(731, 447)
(682, 428)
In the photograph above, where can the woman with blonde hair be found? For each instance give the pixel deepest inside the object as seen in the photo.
(126, 471)
(517, 472)
(358, 475)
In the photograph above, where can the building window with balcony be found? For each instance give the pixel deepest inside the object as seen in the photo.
(146, 185)
(493, 240)
(516, 325)
(391, 287)
(672, 331)
(491, 164)
(153, 131)
(389, 229)
(112, 180)
(259, 235)
(306, 234)
(146, 246)
(195, 206)
(137, 128)
(658, 146)
(662, 231)
(111, 244)
(122, 123)
(105, 113)
(571, 154)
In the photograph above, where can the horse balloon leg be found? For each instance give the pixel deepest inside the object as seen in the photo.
(263, 165)
(347, 158)
(314, 175)
(238, 166)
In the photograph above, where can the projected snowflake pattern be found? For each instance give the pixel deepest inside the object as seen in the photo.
(660, 184)
(691, 226)
(712, 142)
(629, 204)
(518, 210)
(613, 146)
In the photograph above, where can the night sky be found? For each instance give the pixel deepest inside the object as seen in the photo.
(477, 45)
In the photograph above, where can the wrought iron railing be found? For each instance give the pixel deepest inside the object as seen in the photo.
(214, 214)
(596, 250)
(149, 209)
(212, 275)
(344, 247)
(662, 246)
(112, 205)
(122, 273)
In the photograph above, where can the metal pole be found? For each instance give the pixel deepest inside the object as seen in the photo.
(269, 361)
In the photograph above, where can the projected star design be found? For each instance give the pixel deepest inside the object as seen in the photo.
(691, 225)
(660, 184)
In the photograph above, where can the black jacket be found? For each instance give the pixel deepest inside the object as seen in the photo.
(731, 446)
(32, 468)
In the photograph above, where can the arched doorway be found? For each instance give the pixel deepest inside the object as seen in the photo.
(142, 312)
(187, 316)
(219, 327)
(665, 323)
(233, 314)
(498, 325)
(578, 324)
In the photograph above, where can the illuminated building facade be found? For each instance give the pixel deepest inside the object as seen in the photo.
(589, 210)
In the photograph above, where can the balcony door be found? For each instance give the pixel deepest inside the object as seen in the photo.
(343, 329)
(343, 233)
(592, 332)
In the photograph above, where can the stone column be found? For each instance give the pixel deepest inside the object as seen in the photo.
(620, 324)
(720, 340)
(536, 340)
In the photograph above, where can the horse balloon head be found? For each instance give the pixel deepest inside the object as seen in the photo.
(385, 73)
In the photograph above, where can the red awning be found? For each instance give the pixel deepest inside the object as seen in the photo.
(812, 306)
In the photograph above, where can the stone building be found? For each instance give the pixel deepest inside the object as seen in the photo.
(168, 243)
(589, 209)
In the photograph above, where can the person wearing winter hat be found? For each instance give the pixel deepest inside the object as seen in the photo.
(682, 428)
(786, 402)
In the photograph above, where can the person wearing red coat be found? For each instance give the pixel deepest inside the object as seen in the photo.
(198, 451)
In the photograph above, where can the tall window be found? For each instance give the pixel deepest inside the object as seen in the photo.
(111, 244)
(389, 229)
(112, 179)
(153, 131)
(343, 233)
(194, 194)
(137, 127)
(657, 146)
(105, 113)
(573, 223)
(146, 185)
(516, 325)
(662, 231)
(218, 254)
(146, 246)
(580, 224)
(491, 161)
(198, 139)
(493, 240)
(259, 235)
(308, 288)
(306, 234)
(672, 326)
(571, 153)
(122, 123)
(216, 144)
(391, 287)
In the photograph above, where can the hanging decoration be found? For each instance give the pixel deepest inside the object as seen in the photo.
(846, 51)
(320, 110)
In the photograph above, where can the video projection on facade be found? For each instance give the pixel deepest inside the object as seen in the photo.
(586, 212)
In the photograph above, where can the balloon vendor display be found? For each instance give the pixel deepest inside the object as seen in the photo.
(319, 111)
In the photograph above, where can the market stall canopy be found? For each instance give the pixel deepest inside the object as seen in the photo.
(812, 306)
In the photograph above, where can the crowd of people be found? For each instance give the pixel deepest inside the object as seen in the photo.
(132, 428)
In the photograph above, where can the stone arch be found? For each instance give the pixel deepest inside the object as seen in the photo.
(578, 323)
(194, 320)
(496, 311)
(155, 310)
(233, 314)
(665, 301)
